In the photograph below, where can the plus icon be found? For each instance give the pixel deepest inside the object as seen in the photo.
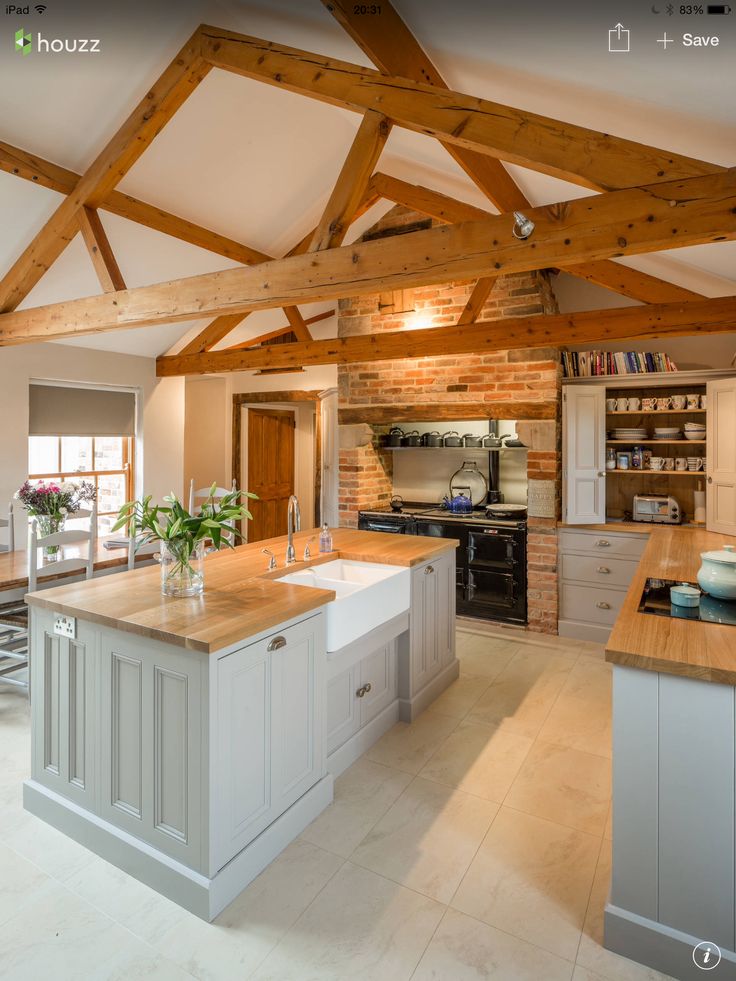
(664, 41)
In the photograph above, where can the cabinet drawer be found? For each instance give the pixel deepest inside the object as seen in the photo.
(597, 569)
(603, 543)
(594, 604)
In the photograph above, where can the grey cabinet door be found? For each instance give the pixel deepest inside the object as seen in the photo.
(432, 617)
(64, 732)
(379, 671)
(151, 743)
(342, 708)
(269, 742)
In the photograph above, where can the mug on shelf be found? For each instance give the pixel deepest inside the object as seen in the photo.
(664, 402)
(634, 404)
(611, 405)
(679, 401)
(649, 404)
(622, 405)
(657, 463)
(694, 463)
(669, 463)
(681, 463)
(693, 401)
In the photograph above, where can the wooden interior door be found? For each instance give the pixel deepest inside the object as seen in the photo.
(270, 470)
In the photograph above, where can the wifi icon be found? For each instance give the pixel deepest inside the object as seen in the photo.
(39, 8)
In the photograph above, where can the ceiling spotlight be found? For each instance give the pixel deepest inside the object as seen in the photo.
(523, 226)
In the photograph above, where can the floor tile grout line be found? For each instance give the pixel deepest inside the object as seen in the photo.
(427, 945)
(590, 898)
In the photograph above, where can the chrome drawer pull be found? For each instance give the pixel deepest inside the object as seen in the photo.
(603, 570)
(603, 606)
(429, 570)
(363, 691)
(603, 543)
(276, 644)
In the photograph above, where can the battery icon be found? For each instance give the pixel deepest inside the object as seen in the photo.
(718, 8)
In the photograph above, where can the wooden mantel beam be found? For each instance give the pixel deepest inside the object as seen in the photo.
(646, 219)
(573, 153)
(655, 320)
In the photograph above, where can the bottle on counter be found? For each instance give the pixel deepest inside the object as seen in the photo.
(611, 459)
(325, 539)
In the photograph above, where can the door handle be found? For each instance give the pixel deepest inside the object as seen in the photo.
(603, 543)
(603, 606)
(364, 689)
(710, 480)
(429, 570)
(603, 570)
(601, 473)
(277, 643)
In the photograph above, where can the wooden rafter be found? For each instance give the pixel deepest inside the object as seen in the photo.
(273, 335)
(352, 182)
(39, 171)
(630, 222)
(476, 300)
(392, 48)
(380, 415)
(596, 326)
(297, 323)
(573, 153)
(213, 333)
(167, 94)
(623, 279)
(100, 250)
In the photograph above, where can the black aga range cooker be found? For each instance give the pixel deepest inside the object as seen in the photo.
(490, 575)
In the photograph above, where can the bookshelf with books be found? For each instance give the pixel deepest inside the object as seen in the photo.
(596, 364)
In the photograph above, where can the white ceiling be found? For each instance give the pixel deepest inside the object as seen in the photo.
(257, 164)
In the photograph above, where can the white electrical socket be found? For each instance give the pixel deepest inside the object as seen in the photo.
(65, 626)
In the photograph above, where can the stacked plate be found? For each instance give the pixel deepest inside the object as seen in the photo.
(694, 430)
(630, 435)
(667, 433)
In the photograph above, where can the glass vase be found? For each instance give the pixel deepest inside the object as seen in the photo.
(50, 524)
(182, 568)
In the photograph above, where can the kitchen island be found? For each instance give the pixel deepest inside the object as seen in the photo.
(674, 774)
(189, 740)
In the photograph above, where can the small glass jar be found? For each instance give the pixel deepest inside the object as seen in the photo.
(611, 459)
(623, 461)
(182, 568)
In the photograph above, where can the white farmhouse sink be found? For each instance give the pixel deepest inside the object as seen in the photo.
(367, 595)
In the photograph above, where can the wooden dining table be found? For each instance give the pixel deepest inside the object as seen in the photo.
(14, 565)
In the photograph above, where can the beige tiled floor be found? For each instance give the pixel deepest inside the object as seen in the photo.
(473, 844)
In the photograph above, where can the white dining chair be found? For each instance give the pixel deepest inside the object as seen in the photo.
(64, 539)
(135, 549)
(204, 492)
(8, 523)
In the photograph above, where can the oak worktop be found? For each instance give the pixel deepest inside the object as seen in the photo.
(241, 598)
(704, 651)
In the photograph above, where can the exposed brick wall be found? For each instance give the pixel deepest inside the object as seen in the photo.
(508, 376)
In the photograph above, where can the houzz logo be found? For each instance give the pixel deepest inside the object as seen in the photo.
(57, 45)
(22, 42)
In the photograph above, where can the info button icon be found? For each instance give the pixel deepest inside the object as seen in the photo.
(706, 955)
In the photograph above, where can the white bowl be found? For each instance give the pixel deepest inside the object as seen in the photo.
(693, 435)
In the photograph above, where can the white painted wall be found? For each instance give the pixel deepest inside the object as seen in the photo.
(161, 411)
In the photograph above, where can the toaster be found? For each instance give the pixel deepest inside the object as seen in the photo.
(656, 508)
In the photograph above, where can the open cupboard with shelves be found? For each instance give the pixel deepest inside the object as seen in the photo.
(594, 494)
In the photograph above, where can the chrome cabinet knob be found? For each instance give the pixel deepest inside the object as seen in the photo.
(429, 570)
(603, 606)
(277, 643)
(603, 543)
(364, 689)
(604, 571)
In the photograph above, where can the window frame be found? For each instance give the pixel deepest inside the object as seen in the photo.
(92, 476)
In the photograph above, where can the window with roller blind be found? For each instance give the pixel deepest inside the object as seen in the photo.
(84, 434)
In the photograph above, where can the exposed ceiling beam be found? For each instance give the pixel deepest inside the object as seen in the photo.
(212, 334)
(352, 182)
(278, 332)
(392, 48)
(573, 153)
(595, 326)
(297, 323)
(623, 279)
(638, 220)
(379, 415)
(100, 250)
(157, 107)
(476, 300)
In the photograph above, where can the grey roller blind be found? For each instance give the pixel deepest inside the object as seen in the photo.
(61, 411)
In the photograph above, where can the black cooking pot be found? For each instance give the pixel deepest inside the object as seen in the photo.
(516, 512)
(411, 439)
(432, 439)
(493, 442)
(452, 439)
(397, 502)
(395, 436)
(472, 441)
